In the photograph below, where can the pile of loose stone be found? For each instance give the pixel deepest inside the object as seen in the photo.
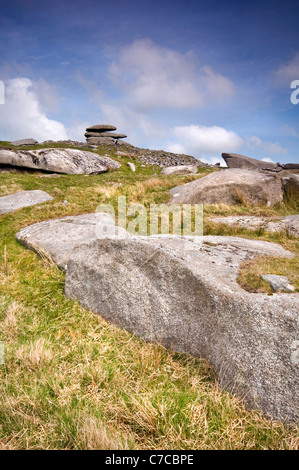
(102, 134)
(161, 158)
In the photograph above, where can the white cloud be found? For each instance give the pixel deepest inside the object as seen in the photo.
(208, 143)
(203, 140)
(214, 160)
(23, 116)
(155, 77)
(176, 148)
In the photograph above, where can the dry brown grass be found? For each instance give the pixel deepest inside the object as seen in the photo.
(36, 354)
(95, 435)
(250, 272)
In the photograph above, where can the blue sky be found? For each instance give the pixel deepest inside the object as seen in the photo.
(195, 77)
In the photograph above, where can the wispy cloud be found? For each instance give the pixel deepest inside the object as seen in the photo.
(155, 77)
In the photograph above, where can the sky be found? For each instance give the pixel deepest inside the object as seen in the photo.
(186, 76)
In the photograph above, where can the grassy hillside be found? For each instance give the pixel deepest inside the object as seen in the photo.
(73, 381)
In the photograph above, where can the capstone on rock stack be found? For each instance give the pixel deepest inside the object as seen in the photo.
(102, 134)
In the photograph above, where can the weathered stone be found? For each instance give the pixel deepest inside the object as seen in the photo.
(292, 222)
(22, 199)
(113, 135)
(235, 160)
(131, 166)
(50, 175)
(125, 144)
(69, 161)
(290, 166)
(291, 184)
(101, 128)
(179, 170)
(278, 283)
(25, 142)
(289, 223)
(231, 186)
(185, 296)
(68, 142)
(100, 140)
(56, 239)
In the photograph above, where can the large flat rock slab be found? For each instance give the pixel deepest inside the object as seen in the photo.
(231, 186)
(57, 239)
(25, 142)
(183, 292)
(98, 128)
(185, 296)
(235, 160)
(67, 161)
(100, 140)
(22, 199)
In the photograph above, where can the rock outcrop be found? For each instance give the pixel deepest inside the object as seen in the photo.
(57, 239)
(68, 161)
(231, 186)
(22, 199)
(101, 134)
(289, 166)
(182, 292)
(278, 283)
(25, 142)
(291, 184)
(235, 160)
(289, 223)
(101, 128)
(131, 166)
(186, 297)
(161, 158)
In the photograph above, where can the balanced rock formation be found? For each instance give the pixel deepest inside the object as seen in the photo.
(101, 134)
(22, 199)
(231, 186)
(101, 128)
(68, 161)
